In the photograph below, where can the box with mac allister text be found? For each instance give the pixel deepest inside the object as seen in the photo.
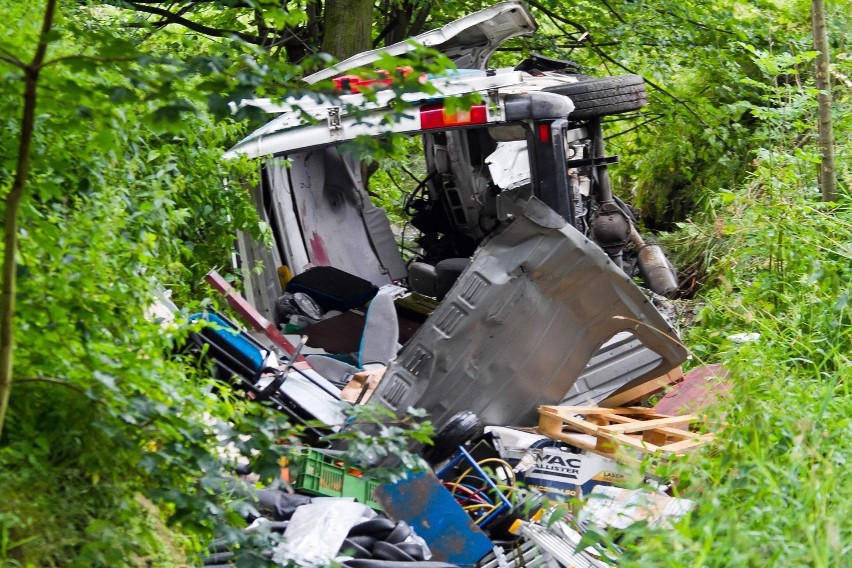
(557, 469)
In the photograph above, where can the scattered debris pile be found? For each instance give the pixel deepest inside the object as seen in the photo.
(486, 498)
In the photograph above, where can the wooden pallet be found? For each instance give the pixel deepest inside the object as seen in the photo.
(617, 429)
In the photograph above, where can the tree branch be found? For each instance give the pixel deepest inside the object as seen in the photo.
(49, 380)
(86, 58)
(392, 21)
(12, 61)
(632, 128)
(693, 22)
(11, 58)
(172, 18)
(603, 55)
(547, 12)
(12, 203)
(678, 100)
(613, 12)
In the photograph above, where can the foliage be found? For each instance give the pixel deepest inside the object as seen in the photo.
(126, 197)
(380, 442)
(105, 436)
(694, 137)
(771, 491)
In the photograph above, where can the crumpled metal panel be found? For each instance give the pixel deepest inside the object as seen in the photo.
(617, 363)
(520, 325)
(262, 288)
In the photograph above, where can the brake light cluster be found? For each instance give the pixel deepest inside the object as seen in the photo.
(436, 116)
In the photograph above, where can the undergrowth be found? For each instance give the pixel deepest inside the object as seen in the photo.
(776, 264)
(773, 490)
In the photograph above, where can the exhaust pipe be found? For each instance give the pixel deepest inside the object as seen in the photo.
(655, 268)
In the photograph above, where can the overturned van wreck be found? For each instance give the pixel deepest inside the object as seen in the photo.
(518, 294)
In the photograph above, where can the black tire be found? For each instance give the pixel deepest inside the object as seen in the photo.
(601, 96)
(379, 528)
(399, 533)
(461, 428)
(387, 551)
(363, 540)
(412, 549)
(355, 550)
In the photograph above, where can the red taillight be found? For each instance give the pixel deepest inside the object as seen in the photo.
(435, 116)
(544, 132)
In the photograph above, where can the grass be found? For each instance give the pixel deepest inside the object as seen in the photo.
(774, 490)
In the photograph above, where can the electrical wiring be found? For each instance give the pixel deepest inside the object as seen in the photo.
(474, 509)
(479, 506)
(507, 470)
(473, 493)
(476, 501)
(480, 517)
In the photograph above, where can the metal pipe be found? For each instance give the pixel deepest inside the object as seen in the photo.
(656, 269)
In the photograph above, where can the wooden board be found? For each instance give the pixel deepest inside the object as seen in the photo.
(640, 392)
(618, 429)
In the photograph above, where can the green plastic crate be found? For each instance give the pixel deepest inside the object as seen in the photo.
(317, 473)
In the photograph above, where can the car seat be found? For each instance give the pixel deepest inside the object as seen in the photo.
(435, 281)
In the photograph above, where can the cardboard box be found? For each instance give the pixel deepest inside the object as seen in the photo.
(555, 468)
(561, 472)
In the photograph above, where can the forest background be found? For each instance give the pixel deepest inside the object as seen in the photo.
(115, 115)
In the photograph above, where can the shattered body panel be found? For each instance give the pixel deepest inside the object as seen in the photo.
(520, 325)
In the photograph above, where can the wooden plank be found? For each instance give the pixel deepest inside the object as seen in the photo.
(654, 437)
(688, 444)
(581, 425)
(572, 410)
(550, 425)
(644, 390)
(580, 443)
(675, 432)
(639, 444)
(615, 454)
(605, 447)
(615, 430)
(639, 426)
(597, 419)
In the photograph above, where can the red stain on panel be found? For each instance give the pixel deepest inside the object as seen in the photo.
(318, 255)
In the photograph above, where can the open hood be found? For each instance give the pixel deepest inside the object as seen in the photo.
(468, 41)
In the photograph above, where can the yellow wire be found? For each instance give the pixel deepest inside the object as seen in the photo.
(507, 469)
(477, 506)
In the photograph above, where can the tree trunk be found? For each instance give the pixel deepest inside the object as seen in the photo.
(827, 177)
(347, 27)
(10, 222)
